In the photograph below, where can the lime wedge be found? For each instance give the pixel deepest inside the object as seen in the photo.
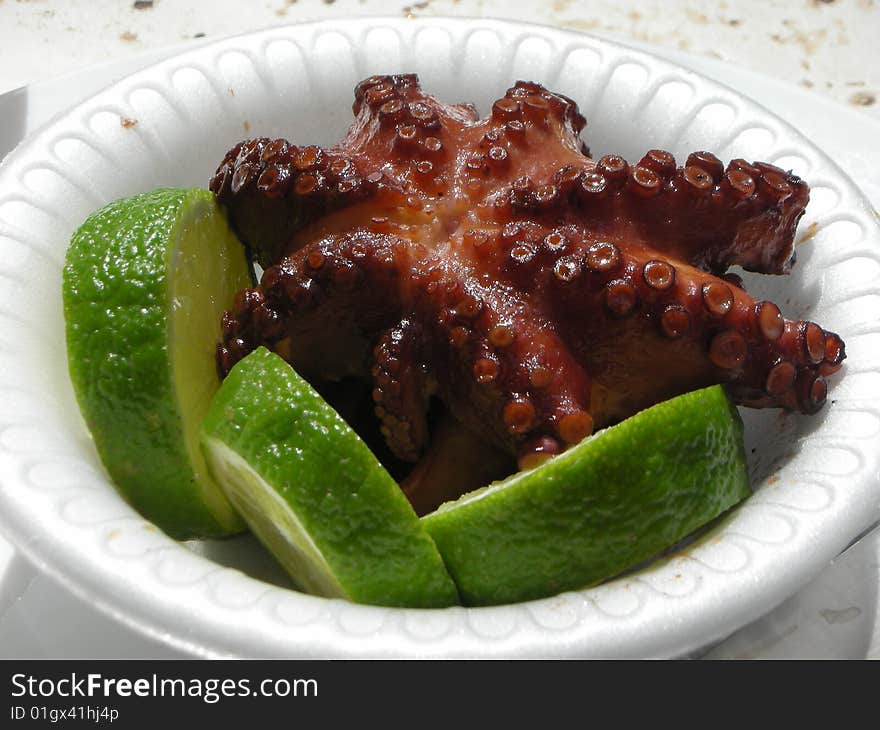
(314, 494)
(611, 502)
(146, 281)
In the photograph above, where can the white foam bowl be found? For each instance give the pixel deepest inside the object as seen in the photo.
(815, 478)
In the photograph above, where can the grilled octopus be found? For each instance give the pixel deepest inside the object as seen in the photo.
(491, 266)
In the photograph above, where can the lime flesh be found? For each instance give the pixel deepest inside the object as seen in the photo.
(606, 505)
(314, 494)
(146, 281)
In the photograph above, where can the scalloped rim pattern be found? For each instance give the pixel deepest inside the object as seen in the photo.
(61, 511)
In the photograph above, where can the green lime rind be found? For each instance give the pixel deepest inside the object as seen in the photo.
(606, 505)
(314, 494)
(145, 283)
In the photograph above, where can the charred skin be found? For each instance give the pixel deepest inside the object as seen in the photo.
(491, 263)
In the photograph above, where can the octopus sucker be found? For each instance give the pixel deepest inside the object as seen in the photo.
(499, 291)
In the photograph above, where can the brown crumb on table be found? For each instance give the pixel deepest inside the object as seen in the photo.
(282, 11)
(409, 10)
(128, 123)
(863, 98)
(128, 36)
(143, 4)
(697, 17)
(247, 126)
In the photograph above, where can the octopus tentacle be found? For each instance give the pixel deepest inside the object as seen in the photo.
(694, 328)
(401, 389)
(457, 460)
(710, 216)
(325, 304)
(523, 390)
(272, 188)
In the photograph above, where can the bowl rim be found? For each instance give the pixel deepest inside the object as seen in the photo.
(152, 617)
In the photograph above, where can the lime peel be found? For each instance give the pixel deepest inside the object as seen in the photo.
(606, 505)
(314, 494)
(146, 280)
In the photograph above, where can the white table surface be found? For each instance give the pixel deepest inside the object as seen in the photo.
(828, 46)
(811, 61)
